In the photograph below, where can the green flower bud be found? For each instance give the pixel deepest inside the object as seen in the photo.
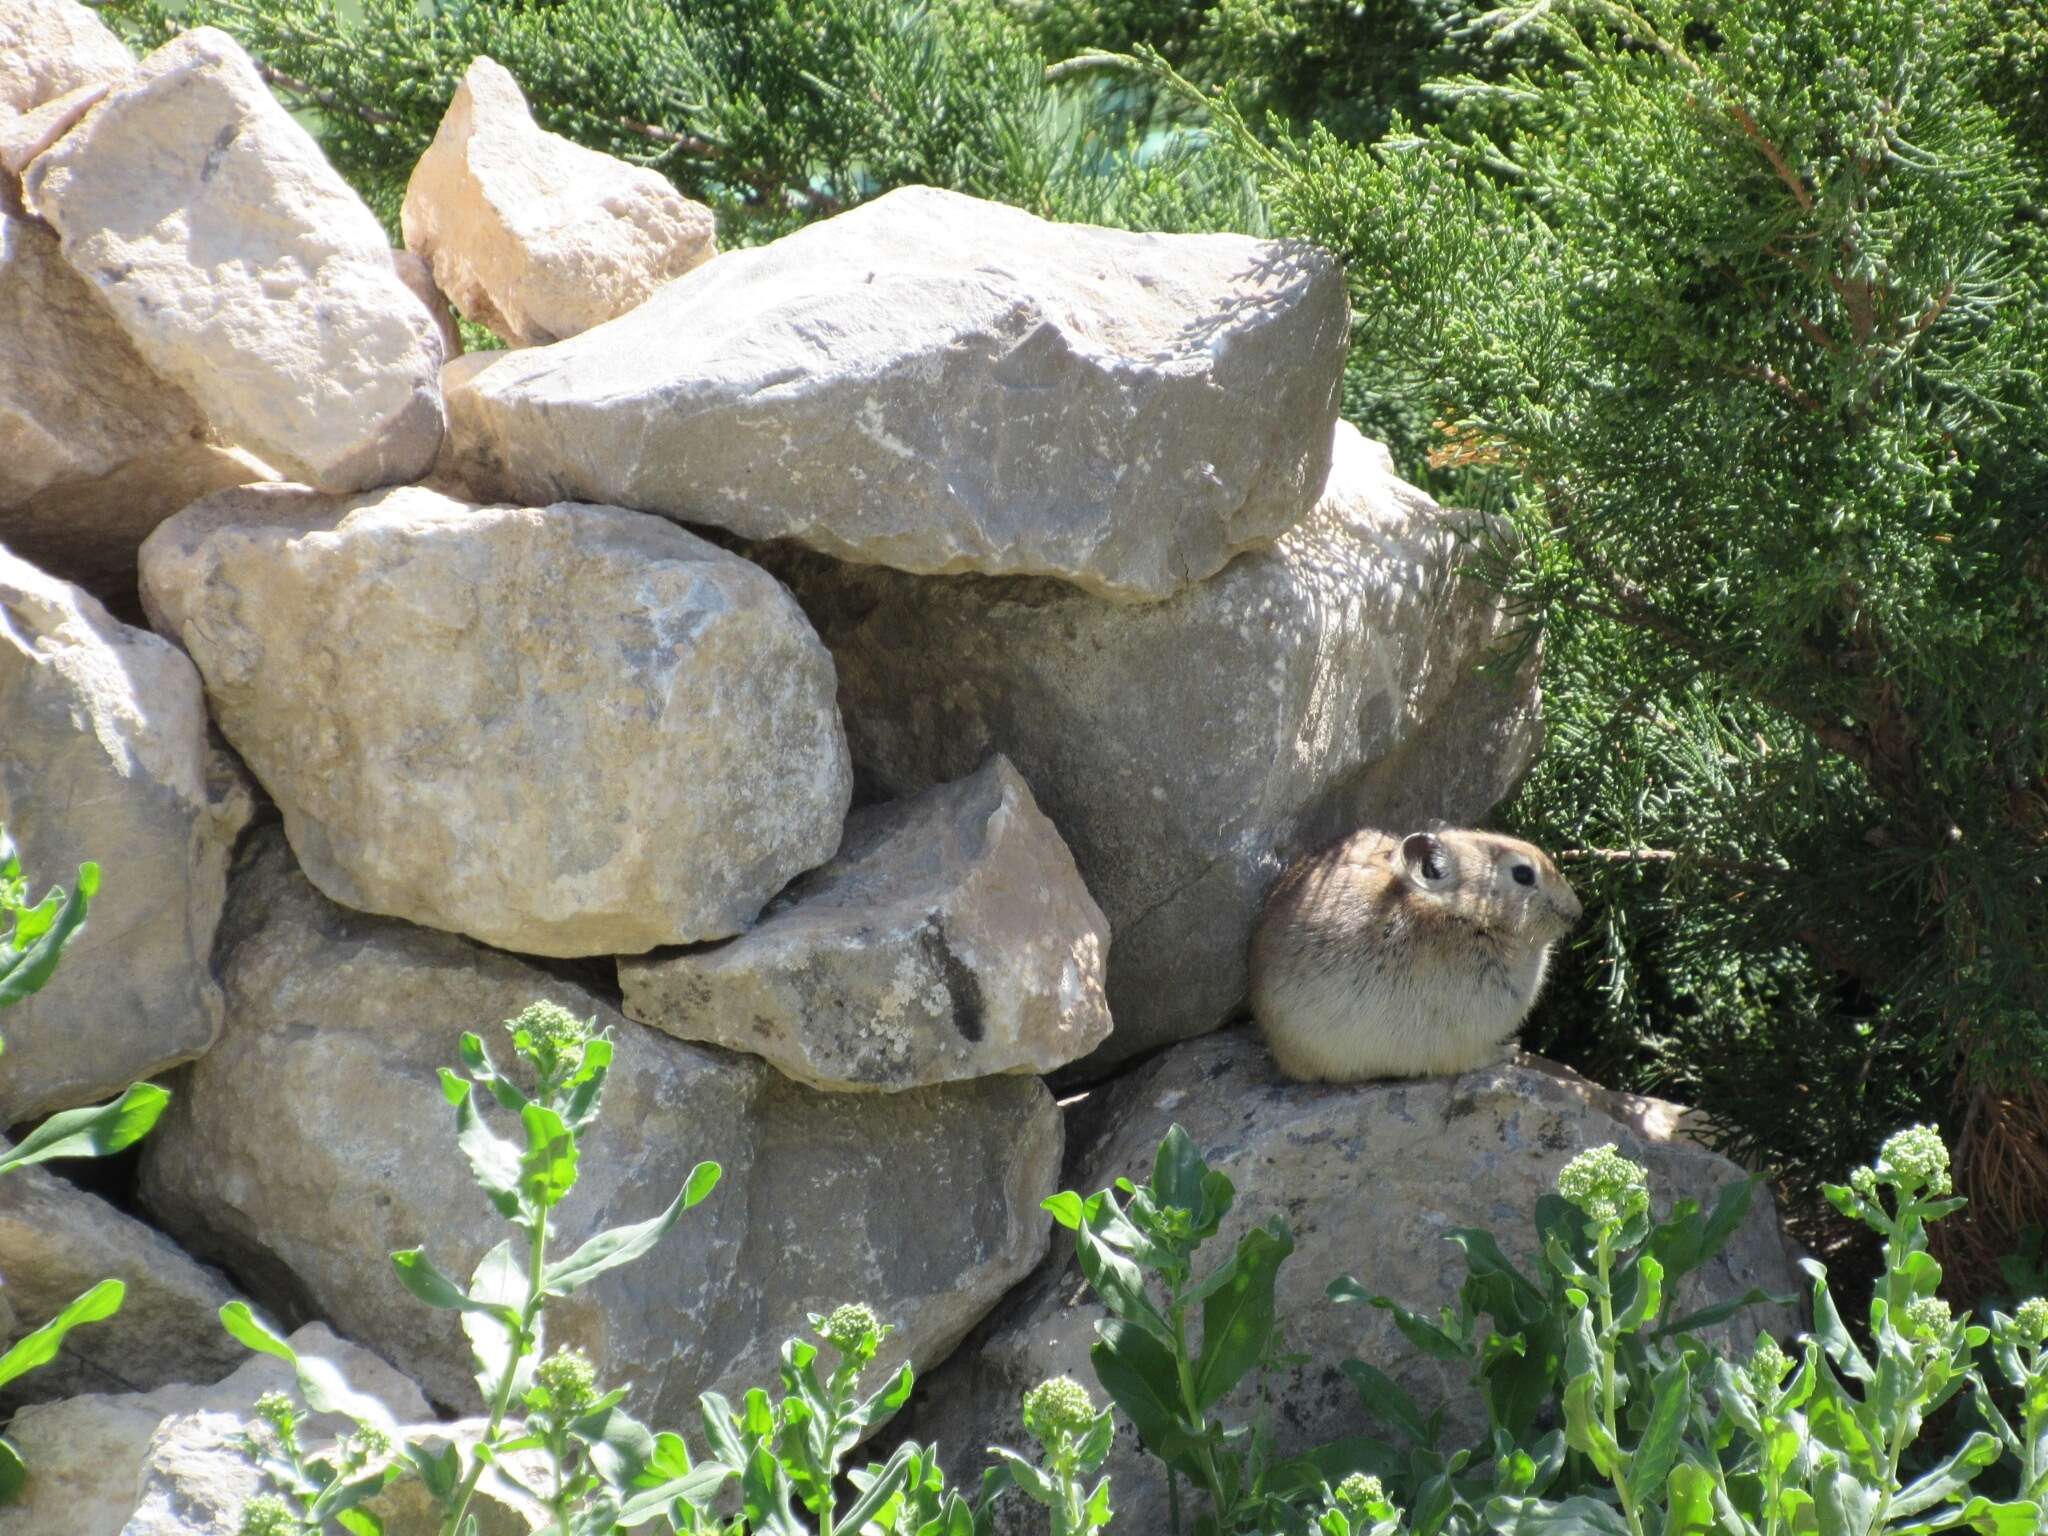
(549, 1036)
(268, 1515)
(570, 1379)
(1916, 1157)
(371, 1442)
(849, 1327)
(1058, 1407)
(2033, 1320)
(1928, 1317)
(278, 1411)
(1359, 1493)
(1767, 1363)
(1864, 1182)
(1605, 1185)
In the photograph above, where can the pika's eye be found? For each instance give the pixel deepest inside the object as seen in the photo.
(1525, 874)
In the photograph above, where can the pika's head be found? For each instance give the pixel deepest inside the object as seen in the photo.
(1499, 884)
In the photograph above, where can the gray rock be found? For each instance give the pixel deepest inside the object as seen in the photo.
(313, 1140)
(108, 760)
(950, 938)
(56, 1242)
(1368, 1177)
(941, 384)
(244, 269)
(92, 1459)
(563, 731)
(1188, 750)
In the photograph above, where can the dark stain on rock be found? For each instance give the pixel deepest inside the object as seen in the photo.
(961, 984)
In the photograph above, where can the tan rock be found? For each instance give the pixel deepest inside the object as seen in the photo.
(564, 731)
(244, 269)
(537, 237)
(28, 134)
(57, 1241)
(419, 277)
(49, 48)
(107, 759)
(1188, 750)
(1369, 1177)
(319, 1113)
(940, 384)
(950, 938)
(86, 1456)
(76, 401)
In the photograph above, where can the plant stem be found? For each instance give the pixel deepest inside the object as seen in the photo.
(522, 1345)
(1607, 1403)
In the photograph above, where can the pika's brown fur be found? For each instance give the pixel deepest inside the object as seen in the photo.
(1416, 956)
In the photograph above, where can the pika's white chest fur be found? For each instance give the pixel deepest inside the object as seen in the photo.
(1405, 957)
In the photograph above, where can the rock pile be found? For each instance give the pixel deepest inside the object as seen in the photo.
(1040, 543)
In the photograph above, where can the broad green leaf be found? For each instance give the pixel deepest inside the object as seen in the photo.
(621, 1245)
(547, 1170)
(1657, 1452)
(877, 1493)
(1721, 1311)
(1422, 1333)
(41, 935)
(499, 1280)
(94, 1131)
(1538, 1517)
(695, 1488)
(1647, 1301)
(40, 1346)
(1027, 1476)
(493, 1161)
(244, 1327)
(478, 1060)
(621, 1447)
(2021, 1517)
(1383, 1398)
(1118, 1282)
(326, 1390)
(1237, 1319)
(1067, 1208)
(1178, 1170)
(420, 1276)
(1948, 1478)
(1689, 1502)
(13, 1473)
(359, 1522)
(1139, 1374)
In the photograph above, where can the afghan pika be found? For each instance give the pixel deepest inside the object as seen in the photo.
(1413, 956)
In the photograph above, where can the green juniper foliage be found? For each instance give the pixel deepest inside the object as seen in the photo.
(774, 112)
(1740, 311)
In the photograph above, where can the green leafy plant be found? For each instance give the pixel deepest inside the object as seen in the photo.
(1663, 1435)
(1075, 1438)
(38, 933)
(555, 1443)
(1138, 1254)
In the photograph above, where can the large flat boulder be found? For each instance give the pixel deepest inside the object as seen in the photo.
(320, 1113)
(92, 1460)
(57, 1241)
(569, 730)
(533, 235)
(950, 938)
(940, 384)
(1188, 750)
(1368, 1177)
(108, 760)
(244, 269)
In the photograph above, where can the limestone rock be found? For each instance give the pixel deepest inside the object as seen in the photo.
(1188, 750)
(537, 237)
(87, 1455)
(57, 1241)
(940, 384)
(564, 731)
(25, 135)
(244, 269)
(319, 1113)
(1368, 1177)
(419, 277)
(95, 449)
(108, 760)
(49, 48)
(950, 938)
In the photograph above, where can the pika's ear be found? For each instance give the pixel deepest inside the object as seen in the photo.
(1426, 860)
